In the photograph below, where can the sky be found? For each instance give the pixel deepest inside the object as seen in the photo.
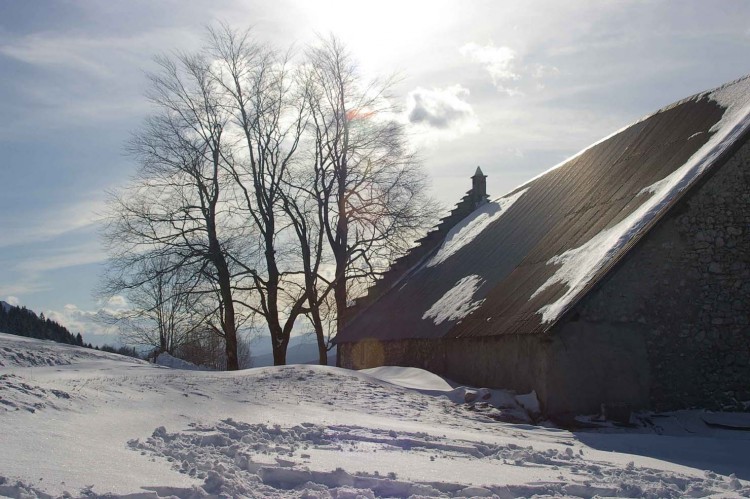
(514, 87)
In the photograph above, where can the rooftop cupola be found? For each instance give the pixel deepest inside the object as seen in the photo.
(479, 188)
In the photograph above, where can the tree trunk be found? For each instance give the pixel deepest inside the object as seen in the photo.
(341, 250)
(229, 323)
(319, 333)
(339, 293)
(279, 339)
(279, 351)
(230, 337)
(230, 327)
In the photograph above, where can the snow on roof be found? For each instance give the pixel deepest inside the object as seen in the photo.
(457, 302)
(470, 227)
(578, 266)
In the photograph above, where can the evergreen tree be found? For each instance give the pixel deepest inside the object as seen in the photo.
(23, 322)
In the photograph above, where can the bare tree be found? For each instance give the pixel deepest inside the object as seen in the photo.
(176, 207)
(303, 209)
(370, 190)
(163, 313)
(262, 98)
(205, 348)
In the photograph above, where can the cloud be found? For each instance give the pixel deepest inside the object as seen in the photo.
(439, 108)
(93, 54)
(30, 268)
(52, 222)
(500, 62)
(26, 285)
(80, 78)
(77, 320)
(90, 322)
(506, 68)
(12, 300)
(47, 51)
(441, 111)
(82, 254)
(117, 302)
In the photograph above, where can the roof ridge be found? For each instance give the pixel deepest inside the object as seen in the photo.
(416, 255)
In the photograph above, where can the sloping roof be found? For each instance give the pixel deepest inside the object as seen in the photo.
(518, 263)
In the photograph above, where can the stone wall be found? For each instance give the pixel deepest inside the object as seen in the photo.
(573, 370)
(684, 291)
(512, 361)
(593, 365)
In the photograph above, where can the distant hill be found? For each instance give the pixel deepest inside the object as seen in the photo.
(302, 351)
(261, 345)
(23, 322)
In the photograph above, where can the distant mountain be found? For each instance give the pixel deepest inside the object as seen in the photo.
(23, 322)
(305, 352)
(261, 345)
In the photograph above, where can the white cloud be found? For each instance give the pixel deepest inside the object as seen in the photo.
(92, 54)
(117, 302)
(77, 320)
(506, 68)
(46, 51)
(69, 257)
(94, 325)
(55, 221)
(500, 62)
(441, 112)
(439, 108)
(12, 300)
(29, 269)
(26, 285)
(86, 76)
(539, 71)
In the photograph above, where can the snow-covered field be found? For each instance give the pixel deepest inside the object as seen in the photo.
(84, 423)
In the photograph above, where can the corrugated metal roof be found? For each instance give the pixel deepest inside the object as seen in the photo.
(559, 211)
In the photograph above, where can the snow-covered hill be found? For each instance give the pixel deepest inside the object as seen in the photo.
(88, 423)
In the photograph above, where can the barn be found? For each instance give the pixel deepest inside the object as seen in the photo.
(618, 277)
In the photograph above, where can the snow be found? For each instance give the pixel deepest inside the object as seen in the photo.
(578, 266)
(469, 228)
(83, 423)
(457, 302)
(410, 377)
(167, 360)
(530, 402)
